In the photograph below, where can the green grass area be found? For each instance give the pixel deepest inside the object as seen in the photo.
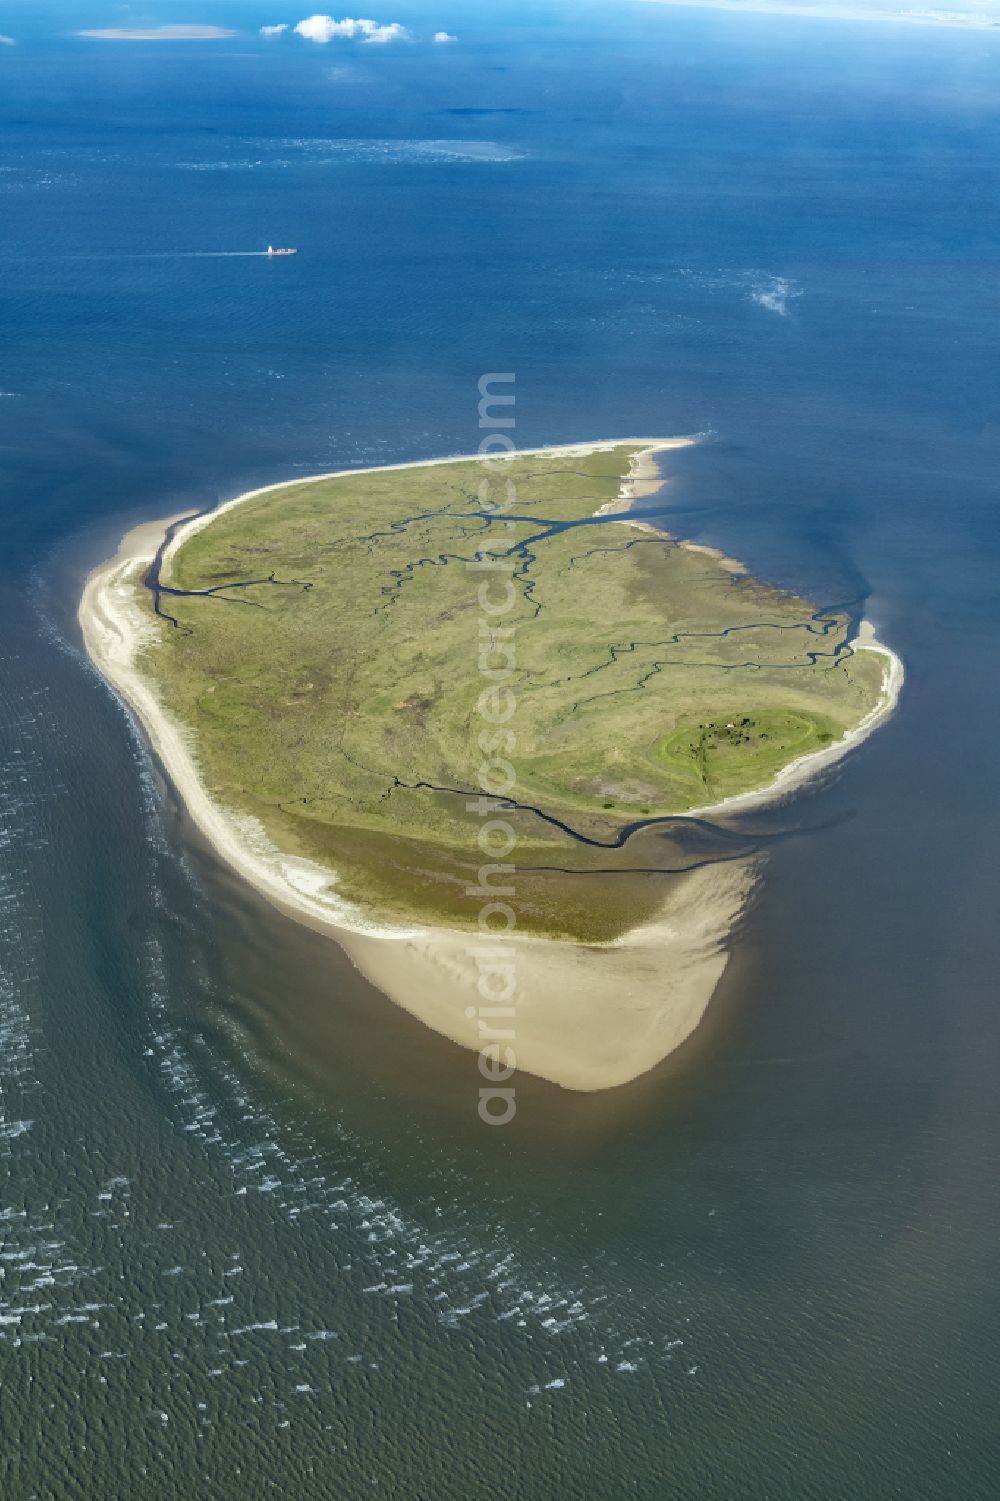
(636, 677)
(723, 755)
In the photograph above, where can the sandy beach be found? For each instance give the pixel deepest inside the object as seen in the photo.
(586, 1017)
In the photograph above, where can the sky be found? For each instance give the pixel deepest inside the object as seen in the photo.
(409, 23)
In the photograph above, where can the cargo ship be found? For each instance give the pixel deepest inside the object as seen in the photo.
(274, 250)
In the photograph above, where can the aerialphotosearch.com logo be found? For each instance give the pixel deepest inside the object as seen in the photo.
(496, 706)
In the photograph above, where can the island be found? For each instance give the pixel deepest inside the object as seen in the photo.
(478, 705)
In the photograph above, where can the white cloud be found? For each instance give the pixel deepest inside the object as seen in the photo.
(158, 33)
(444, 36)
(274, 30)
(7, 41)
(323, 29)
(391, 33)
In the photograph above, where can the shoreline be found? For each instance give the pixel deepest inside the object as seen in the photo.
(639, 460)
(582, 1024)
(804, 768)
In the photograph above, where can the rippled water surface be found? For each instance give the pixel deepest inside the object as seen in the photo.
(255, 1241)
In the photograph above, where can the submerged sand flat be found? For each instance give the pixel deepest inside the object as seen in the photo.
(586, 1016)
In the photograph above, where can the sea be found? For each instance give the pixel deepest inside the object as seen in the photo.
(256, 1240)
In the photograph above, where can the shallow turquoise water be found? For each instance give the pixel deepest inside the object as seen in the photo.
(255, 1241)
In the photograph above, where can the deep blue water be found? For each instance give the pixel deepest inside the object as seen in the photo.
(255, 1242)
